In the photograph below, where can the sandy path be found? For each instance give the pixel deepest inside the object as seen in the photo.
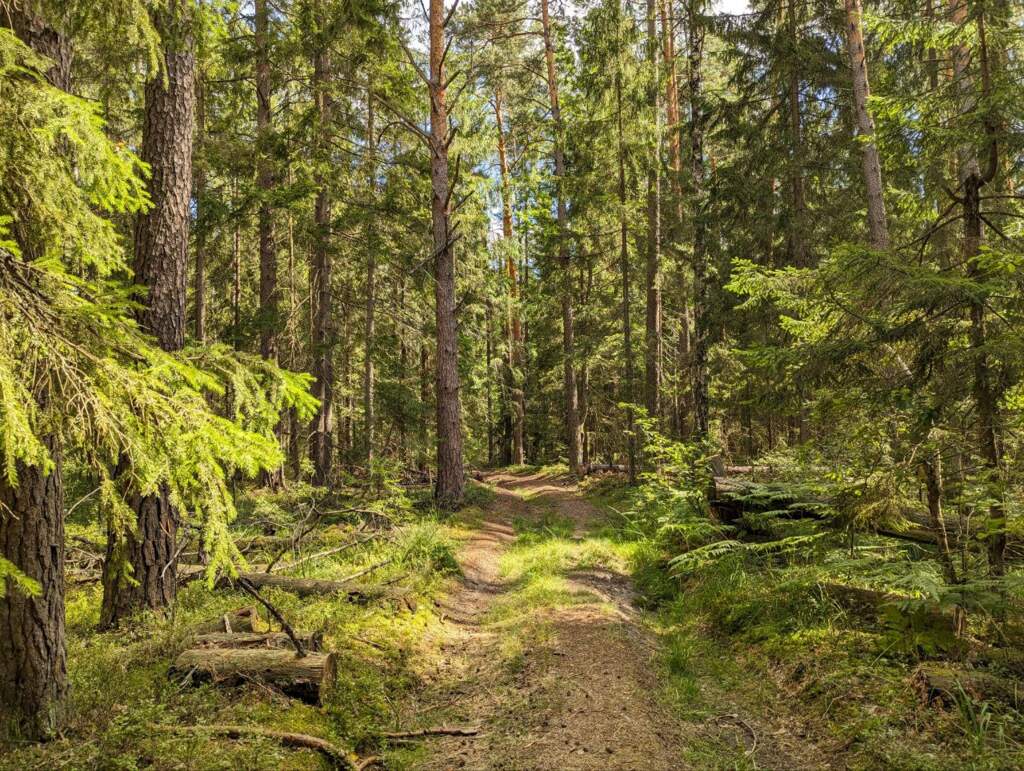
(583, 696)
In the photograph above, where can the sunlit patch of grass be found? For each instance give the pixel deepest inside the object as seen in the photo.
(120, 687)
(539, 592)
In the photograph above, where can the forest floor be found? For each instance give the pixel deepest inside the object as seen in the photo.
(544, 618)
(554, 667)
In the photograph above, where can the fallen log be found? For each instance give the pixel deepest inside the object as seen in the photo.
(360, 594)
(278, 640)
(335, 756)
(242, 620)
(308, 678)
(945, 684)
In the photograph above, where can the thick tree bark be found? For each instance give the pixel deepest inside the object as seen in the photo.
(652, 350)
(878, 230)
(321, 430)
(33, 669)
(699, 364)
(199, 278)
(44, 37)
(515, 327)
(450, 477)
(139, 571)
(572, 417)
(369, 415)
(33, 659)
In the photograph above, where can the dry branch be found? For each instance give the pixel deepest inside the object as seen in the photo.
(334, 755)
(438, 731)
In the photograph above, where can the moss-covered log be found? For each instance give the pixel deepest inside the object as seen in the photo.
(308, 678)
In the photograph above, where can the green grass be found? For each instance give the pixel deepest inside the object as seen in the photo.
(755, 637)
(120, 687)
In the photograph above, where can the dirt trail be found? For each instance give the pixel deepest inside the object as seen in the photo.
(582, 691)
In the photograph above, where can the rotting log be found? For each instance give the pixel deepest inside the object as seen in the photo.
(279, 640)
(242, 620)
(308, 678)
(938, 684)
(361, 594)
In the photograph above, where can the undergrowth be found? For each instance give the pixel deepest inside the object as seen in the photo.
(767, 668)
(124, 707)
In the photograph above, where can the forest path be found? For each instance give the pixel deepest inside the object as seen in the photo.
(542, 647)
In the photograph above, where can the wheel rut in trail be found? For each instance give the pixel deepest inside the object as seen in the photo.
(559, 685)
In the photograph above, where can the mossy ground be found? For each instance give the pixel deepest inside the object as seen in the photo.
(772, 673)
(120, 689)
(760, 669)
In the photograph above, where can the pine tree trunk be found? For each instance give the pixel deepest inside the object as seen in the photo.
(628, 395)
(43, 37)
(515, 343)
(798, 251)
(33, 659)
(652, 350)
(321, 430)
(878, 230)
(33, 670)
(450, 478)
(161, 255)
(199, 278)
(572, 418)
(369, 416)
(269, 290)
(699, 364)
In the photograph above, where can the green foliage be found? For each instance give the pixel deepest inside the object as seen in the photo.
(73, 362)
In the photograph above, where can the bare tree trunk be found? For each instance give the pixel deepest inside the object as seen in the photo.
(798, 251)
(269, 290)
(236, 272)
(369, 416)
(321, 430)
(488, 324)
(140, 571)
(33, 658)
(699, 365)
(572, 418)
(652, 350)
(424, 400)
(628, 395)
(878, 229)
(201, 217)
(450, 478)
(515, 353)
(33, 668)
(403, 368)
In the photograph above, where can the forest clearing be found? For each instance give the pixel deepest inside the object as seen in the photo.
(511, 384)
